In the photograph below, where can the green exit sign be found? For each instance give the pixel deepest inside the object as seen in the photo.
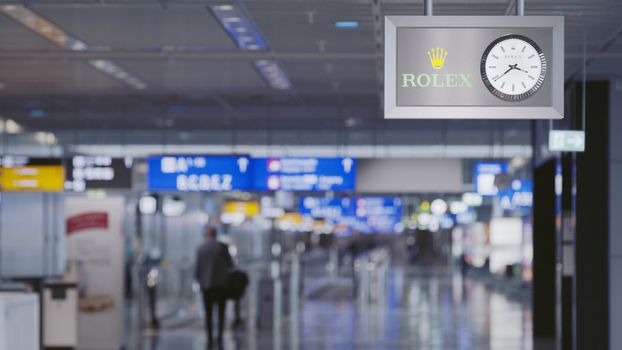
(566, 141)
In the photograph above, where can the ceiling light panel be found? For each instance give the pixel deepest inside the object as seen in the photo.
(114, 71)
(43, 27)
(60, 37)
(273, 74)
(239, 26)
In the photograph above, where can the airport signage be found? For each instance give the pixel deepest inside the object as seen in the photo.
(566, 141)
(474, 67)
(378, 214)
(519, 195)
(362, 214)
(304, 174)
(484, 174)
(98, 172)
(198, 173)
(325, 208)
(20, 173)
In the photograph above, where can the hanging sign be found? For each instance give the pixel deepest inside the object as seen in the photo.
(566, 141)
(474, 67)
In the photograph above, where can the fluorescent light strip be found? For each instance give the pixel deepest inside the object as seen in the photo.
(43, 27)
(239, 27)
(273, 74)
(58, 36)
(113, 70)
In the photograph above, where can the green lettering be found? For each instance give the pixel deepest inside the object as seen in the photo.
(423, 83)
(408, 80)
(465, 80)
(435, 82)
(450, 80)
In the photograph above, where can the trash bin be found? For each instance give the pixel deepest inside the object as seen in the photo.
(60, 315)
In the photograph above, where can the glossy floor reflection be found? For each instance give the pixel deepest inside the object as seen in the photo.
(419, 311)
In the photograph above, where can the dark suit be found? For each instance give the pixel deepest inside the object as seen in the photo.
(212, 271)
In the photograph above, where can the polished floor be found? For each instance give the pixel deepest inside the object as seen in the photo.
(419, 311)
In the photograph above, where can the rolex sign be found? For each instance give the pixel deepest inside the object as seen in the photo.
(474, 67)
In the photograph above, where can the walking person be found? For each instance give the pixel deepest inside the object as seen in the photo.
(213, 265)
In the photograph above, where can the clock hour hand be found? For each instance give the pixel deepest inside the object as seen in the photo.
(506, 72)
(520, 69)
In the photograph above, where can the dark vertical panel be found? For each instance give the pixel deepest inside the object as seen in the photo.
(567, 284)
(544, 249)
(592, 239)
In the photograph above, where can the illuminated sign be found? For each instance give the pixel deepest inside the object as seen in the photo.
(484, 174)
(363, 214)
(31, 174)
(326, 208)
(566, 141)
(91, 172)
(304, 174)
(474, 67)
(519, 195)
(379, 214)
(198, 173)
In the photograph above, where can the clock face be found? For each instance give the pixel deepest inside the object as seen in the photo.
(513, 67)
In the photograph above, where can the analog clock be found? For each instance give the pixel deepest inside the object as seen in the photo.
(513, 67)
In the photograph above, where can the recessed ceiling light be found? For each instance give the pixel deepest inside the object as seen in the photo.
(347, 24)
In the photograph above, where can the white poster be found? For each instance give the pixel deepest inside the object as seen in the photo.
(95, 244)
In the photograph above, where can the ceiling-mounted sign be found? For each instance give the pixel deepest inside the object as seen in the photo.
(468, 67)
(566, 141)
(304, 174)
(20, 173)
(198, 173)
(485, 174)
(98, 172)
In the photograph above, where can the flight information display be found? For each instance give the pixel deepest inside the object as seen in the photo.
(304, 174)
(198, 173)
(98, 172)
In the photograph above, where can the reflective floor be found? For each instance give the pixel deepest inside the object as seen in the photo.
(419, 311)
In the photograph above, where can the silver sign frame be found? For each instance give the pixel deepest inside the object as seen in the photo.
(555, 67)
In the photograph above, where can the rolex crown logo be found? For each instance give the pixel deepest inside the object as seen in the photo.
(437, 57)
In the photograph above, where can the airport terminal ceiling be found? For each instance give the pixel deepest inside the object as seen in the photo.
(183, 78)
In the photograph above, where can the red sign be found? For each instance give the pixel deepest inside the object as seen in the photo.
(87, 221)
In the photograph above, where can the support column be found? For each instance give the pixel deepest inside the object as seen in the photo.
(615, 215)
(592, 235)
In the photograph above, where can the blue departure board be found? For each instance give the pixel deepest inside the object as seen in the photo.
(198, 173)
(304, 174)
(362, 214)
(326, 208)
(484, 174)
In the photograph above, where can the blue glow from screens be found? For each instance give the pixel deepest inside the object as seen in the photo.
(196, 173)
(304, 174)
(347, 24)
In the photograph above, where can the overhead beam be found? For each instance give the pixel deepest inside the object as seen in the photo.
(224, 56)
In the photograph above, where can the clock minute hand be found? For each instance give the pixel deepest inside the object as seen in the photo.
(506, 72)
